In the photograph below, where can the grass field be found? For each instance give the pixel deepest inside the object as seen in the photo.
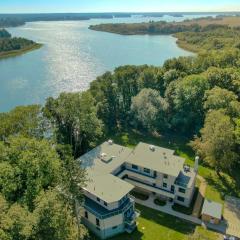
(217, 187)
(230, 21)
(154, 225)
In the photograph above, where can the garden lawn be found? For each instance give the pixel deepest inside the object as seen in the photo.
(154, 225)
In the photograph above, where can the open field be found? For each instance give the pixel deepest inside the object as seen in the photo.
(229, 21)
(154, 225)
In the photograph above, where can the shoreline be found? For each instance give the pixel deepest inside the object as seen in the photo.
(181, 44)
(16, 53)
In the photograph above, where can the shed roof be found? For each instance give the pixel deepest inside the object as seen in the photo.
(212, 209)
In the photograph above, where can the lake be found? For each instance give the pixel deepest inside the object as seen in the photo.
(73, 56)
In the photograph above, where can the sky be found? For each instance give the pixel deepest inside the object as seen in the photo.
(50, 6)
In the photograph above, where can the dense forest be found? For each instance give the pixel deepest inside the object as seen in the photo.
(10, 46)
(197, 98)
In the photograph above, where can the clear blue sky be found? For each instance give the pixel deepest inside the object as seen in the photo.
(15, 6)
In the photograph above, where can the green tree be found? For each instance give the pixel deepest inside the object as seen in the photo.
(24, 120)
(27, 167)
(54, 219)
(237, 131)
(186, 100)
(74, 116)
(218, 98)
(226, 78)
(217, 143)
(17, 223)
(150, 110)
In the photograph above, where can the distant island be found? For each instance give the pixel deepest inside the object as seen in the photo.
(191, 34)
(14, 20)
(13, 46)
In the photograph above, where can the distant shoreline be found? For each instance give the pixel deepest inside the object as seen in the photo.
(176, 29)
(19, 19)
(15, 53)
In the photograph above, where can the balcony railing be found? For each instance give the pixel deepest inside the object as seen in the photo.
(106, 214)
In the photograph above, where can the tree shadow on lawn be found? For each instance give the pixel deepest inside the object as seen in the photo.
(223, 185)
(166, 220)
(162, 219)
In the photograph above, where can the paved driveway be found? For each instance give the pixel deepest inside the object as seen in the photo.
(232, 215)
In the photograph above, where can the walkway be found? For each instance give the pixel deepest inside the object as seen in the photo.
(200, 197)
(167, 209)
(221, 228)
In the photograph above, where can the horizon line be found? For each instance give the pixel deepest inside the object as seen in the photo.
(129, 12)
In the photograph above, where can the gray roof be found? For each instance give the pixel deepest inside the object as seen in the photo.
(99, 163)
(161, 159)
(114, 156)
(108, 187)
(103, 160)
(212, 209)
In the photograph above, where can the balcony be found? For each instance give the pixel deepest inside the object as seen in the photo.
(130, 220)
(103, 213)
(130, 228)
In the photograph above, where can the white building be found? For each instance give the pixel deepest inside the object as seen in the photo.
(114, 171)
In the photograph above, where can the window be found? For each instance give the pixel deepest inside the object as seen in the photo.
(165, 176)
(165, 185)
(114, 227)
(146, 170)
(97, 222)
(98, 199)
(181, 199)
(172, 188)
(86, 214)
(135, 167)
(105, 204)
(155, 174)
(182, 190)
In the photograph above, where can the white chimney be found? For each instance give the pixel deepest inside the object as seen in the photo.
(196, 163)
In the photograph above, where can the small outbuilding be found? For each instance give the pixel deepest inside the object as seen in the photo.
(211, 212)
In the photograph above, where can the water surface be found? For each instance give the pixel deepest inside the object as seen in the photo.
(73, 56)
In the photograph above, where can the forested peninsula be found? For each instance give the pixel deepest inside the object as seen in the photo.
(193, 35)
(13, 46)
